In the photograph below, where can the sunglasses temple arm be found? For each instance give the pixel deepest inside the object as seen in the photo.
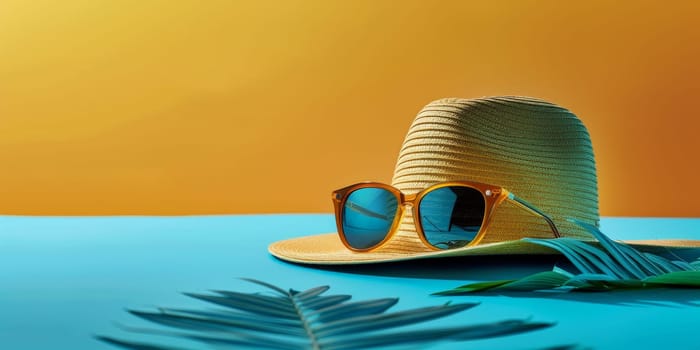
(533, 209)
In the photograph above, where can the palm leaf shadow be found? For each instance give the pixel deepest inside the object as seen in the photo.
(309, 319)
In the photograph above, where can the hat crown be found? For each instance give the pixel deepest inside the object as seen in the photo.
(538, 150)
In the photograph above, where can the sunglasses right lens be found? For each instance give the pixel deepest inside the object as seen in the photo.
(452, 216)
(368, 214)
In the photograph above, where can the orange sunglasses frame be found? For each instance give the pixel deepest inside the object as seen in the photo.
(493, 197)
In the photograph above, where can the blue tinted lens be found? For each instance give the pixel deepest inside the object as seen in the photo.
(367, 216)
(452, 216)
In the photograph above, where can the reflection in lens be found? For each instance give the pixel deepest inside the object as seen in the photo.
(367, 216)
(452, 216)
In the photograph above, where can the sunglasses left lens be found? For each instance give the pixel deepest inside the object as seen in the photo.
(367, 216)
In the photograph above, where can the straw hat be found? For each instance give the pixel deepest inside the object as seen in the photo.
(538, 150)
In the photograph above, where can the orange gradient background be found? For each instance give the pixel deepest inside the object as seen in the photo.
(198, 107)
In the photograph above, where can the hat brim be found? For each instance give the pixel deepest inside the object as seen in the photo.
(327, 249)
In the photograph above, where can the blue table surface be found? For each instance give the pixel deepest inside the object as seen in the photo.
(65, 279)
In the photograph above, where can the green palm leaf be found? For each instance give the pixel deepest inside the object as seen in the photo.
(690, 279)
(607, 266)
(309, 319)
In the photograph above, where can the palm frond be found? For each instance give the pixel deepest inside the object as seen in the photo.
(290, 320)
(611, 265)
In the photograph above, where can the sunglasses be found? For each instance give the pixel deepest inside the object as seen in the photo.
(447, 215)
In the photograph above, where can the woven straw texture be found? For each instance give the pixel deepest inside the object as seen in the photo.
(539, 151)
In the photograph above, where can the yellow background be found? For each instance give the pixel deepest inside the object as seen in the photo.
(187, 107)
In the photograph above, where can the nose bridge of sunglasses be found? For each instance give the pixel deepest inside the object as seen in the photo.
(409, 200)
